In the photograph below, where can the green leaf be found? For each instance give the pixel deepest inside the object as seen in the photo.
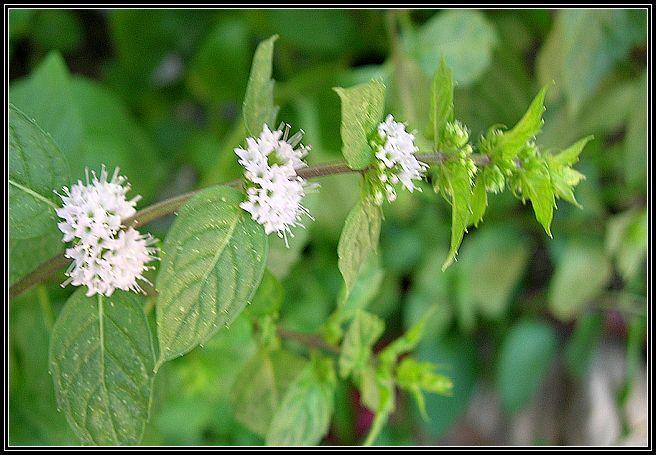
(31, 394)
(512, 141)
(454, 181)
(441, 101)
(563, 177)
(303, 416)
(378, 394)
(525, 358)
(570, 155)
(408, 341)
(216, 72)
(36, 169)
(46, 97)
(259, 109)
(459, 358)
(89, 124)
(583, 343)
(261, 385)
(478, 201)
(362, 109)
(635, 160)
(495, 259)
(358, 343)
(417, 377)
(359, 239)
(584, 46)
(463, 38)
(627, 237)
(537, 187)
(268, 298)
(101, 361)
(582, 272)
(213, 259)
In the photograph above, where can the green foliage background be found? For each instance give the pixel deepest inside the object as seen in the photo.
(159, 94)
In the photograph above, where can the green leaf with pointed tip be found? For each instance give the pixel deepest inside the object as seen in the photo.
(478, 201)
(408, 341)
(362, 109)
(417, 377)
(358, 343)
(259, 108)
(101, 360)
(454, 181)
(213, 259)
(36, 169)
(570, 155)
(261, 385)
(358, 240)
(441, 101)
(510, 142)
(537, 187)
(563, 177)
(304, 414)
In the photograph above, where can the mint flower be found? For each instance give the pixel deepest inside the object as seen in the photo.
(105, 258)
(273, 188)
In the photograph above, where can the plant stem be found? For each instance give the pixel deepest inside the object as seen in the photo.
(312, 341)
(168, 206)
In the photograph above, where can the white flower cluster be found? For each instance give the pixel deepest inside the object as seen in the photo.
(105, 258)
(396, 161)
(274, 190)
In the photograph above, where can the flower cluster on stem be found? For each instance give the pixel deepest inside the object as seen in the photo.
(274, 190)
(396, 164)
(105, 257)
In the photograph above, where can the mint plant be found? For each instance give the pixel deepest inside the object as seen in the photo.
(104, 353)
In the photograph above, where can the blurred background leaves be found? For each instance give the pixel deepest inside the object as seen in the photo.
(521, 318)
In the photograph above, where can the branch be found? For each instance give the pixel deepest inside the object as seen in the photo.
(168, 206)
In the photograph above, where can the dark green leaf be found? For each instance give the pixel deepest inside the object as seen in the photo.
(212, 263)
(101, 360)
(525, 358)
(36, 169)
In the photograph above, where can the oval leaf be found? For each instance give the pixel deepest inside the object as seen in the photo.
(304, 414)
(358, 240)
(101, 360)
(362, 110)
(36, 168)
(212, 262)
